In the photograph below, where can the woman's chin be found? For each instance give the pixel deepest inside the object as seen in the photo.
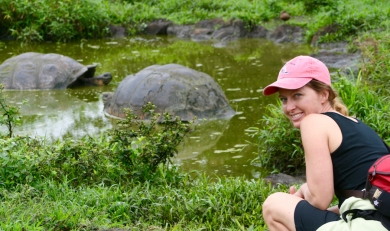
(296, 124)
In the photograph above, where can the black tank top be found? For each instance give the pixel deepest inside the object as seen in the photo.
(359, 148)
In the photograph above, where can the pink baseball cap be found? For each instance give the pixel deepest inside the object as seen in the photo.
(297, 72)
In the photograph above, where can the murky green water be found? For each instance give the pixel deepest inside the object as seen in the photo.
(242, 68)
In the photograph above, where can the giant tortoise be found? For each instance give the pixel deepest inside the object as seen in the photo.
(172, 88)
(48, 71)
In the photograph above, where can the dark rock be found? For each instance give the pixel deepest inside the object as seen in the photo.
(347, 63)
(219, 29)
(336, 57)
(211, 23)
(285, 179)
(258, 32)
(201, 34)
(181, 31)
(158, 27)
(287, 33)
(117, 31)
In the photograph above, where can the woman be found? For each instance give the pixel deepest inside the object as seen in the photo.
(338, 149)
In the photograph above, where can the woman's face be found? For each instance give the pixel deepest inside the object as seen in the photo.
(301, 102)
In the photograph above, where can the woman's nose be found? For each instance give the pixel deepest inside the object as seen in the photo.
(290, 105)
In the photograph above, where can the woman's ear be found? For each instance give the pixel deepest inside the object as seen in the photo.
(324, 96)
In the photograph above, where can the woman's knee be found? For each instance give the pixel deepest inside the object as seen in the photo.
(271, 203)
(278, 211)
(280, 204)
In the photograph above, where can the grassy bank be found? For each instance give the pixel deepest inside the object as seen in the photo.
(194, 204)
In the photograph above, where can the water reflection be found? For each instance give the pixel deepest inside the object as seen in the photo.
(54, 114)
(242, 68)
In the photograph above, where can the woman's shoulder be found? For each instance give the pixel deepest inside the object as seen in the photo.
(316, 118)
(340, 117)
(319, 122)
(319, 128)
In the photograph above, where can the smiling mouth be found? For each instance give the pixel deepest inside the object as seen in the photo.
(296, 116)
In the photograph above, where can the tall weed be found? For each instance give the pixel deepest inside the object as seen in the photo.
(363, 103)
(376, 61)
(9, 115)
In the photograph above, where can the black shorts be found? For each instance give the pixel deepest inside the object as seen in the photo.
(309, 218)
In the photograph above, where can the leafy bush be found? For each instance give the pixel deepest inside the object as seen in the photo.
(315, 5)
(53, 20)
(363, 103)
(141, 151)
(122, 155)
(279, 143)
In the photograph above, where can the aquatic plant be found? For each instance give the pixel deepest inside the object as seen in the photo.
(9, 115)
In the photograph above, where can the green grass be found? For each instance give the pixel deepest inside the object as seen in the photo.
(201, 203)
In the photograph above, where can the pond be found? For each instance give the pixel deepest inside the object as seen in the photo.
(219, 147)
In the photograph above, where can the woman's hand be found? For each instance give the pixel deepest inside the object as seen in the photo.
(334, 209)
(293, 191)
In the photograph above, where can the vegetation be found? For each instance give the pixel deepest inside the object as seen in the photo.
(123, 178)
(65, 20)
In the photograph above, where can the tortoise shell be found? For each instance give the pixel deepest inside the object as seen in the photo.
(172, 88)
(43, 71)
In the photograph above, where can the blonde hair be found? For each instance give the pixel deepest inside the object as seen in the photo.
(335, 101)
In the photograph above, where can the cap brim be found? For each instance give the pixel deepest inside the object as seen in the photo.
(286, 83)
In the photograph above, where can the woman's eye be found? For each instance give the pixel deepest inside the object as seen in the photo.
(283, 100)
(298, 95)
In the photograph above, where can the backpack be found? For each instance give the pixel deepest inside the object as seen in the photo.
(378, 185)
(377, 188)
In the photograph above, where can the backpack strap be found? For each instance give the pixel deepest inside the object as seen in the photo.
(366, 214)
(350, 193)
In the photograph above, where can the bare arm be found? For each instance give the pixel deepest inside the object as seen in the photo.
(318, 190)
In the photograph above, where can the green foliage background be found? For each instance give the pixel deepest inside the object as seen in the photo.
(64, 20)
(280, 147)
